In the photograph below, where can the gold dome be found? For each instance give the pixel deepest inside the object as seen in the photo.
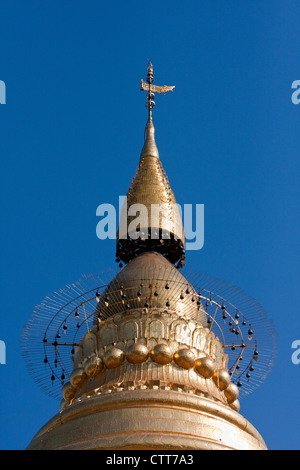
(150, 280)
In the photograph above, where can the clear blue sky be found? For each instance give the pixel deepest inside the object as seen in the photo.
(70, 137)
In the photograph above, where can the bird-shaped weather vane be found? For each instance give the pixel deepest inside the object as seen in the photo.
(152, 89)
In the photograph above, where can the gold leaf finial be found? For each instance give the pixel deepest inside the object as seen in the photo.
(152, 89)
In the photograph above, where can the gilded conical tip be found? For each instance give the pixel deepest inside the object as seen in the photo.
(150, 149)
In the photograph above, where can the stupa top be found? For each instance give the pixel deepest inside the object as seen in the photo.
(150, 218)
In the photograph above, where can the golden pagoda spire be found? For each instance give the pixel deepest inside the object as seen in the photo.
(160, 226)
(154, 364)
(150, 145)
(149, 149)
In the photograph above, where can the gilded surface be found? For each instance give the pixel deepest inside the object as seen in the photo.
(148, 419)
(142, 346)
(138, 380)
(155, 88)
(139, 335)
(150, 188)
(155, 273)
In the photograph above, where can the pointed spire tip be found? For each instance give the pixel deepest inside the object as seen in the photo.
(150, 149)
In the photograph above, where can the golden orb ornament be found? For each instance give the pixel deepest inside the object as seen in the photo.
(161, 354)
(221, 378)
(68, 392)
(113, 358)
(93, 366)
(205, 366)
(231, 393)
(235, 406)
(137, 353)
(185, 358)
(78, 377)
